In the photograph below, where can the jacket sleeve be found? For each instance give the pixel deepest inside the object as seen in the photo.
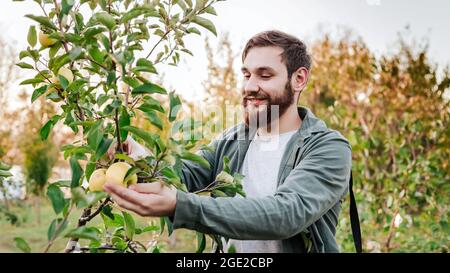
(310, 190)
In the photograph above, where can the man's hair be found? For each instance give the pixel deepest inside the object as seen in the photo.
(294, 54)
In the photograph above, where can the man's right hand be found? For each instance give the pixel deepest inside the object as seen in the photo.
(130, 147)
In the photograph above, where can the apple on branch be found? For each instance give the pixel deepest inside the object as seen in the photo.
(45, 40)
(114, 174)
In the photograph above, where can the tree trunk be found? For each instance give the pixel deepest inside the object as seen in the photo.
(5, 198)
(38, 208)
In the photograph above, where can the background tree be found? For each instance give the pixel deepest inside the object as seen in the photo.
(39, 156)
(394, 111)
(8, 74)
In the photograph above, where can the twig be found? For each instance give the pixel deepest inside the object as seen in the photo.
(57, 230)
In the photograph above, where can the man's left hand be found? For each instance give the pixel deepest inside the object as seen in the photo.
(146, 199)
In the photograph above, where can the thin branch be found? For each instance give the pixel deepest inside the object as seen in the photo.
(160, 40)
(86, 219)
(58, 230)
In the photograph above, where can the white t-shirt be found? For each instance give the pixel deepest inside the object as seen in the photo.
(260, 168)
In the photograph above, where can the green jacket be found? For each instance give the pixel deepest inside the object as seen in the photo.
(312, 180)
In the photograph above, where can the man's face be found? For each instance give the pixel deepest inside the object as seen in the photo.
(266, 87)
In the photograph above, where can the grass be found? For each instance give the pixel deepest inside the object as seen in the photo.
(35, 234)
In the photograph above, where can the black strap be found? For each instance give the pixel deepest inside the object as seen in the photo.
(354, 218)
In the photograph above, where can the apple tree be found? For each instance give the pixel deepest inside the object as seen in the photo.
(95, 59)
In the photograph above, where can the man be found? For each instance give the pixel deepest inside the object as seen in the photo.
(296, 169)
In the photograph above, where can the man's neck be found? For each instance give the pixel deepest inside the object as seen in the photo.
(289, 121)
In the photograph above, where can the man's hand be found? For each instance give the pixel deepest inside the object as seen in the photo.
(130, 147)
(147, 199)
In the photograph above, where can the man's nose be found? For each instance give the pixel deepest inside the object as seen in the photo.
(251, 85)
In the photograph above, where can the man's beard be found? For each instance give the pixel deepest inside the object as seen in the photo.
(275, 108)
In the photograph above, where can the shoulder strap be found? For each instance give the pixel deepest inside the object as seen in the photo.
(354, 218)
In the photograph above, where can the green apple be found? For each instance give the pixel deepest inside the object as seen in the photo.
(116, 174)
(46, 41)
(97, 180)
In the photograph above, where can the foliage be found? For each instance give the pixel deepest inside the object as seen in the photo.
(394, 112)
(96, 68)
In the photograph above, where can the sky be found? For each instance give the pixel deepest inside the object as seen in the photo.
(378, 22)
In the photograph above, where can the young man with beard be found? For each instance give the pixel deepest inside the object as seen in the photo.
(296, 169)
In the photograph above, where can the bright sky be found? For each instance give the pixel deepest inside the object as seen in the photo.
(377, 21)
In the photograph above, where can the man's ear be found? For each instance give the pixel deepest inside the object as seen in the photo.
(299, 79)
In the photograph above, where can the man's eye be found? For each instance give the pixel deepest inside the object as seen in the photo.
(265, 76)
(246, 76)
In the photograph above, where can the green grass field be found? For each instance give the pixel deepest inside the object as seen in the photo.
(36, 234)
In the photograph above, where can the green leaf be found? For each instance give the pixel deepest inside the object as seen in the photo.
(89, 233)
(24, 65)
(31, 81)
(151, 104)
(90, 167)
(169, 225)
(149, 138)
(219, 193)
(154, 119)
(137, 11)
(130, 226)
(92, 198)
(45, 130)
(4, 173)
(103, 147)
(162, 224)
(38, 92)
(32, 36)
(175, 106)
(144, 65)
(96, 54)
(196, 158)
(95, 134)
(4, 167)
(52, 233)
(22, 244)
(107, 211)
(131, 81)
(106, 19)
(124, 120)
(148, 88)
(206, 23)
(42, 20)
(150, 228)
(187, 51)
(90, 32)
(131, 171)
(66, 6)
(194, 30)
(77, 172)
(56, 196)
(63, 81)
(226, 167)
(211, 10)
(62, 183)
(115, 221)
(125, 158)
(201, 242)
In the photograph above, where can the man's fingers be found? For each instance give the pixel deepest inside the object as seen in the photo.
(126, 205)
(155, 187)
(126, 198)
(124, 193)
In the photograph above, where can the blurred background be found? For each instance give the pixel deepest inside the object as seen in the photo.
(380, 76)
